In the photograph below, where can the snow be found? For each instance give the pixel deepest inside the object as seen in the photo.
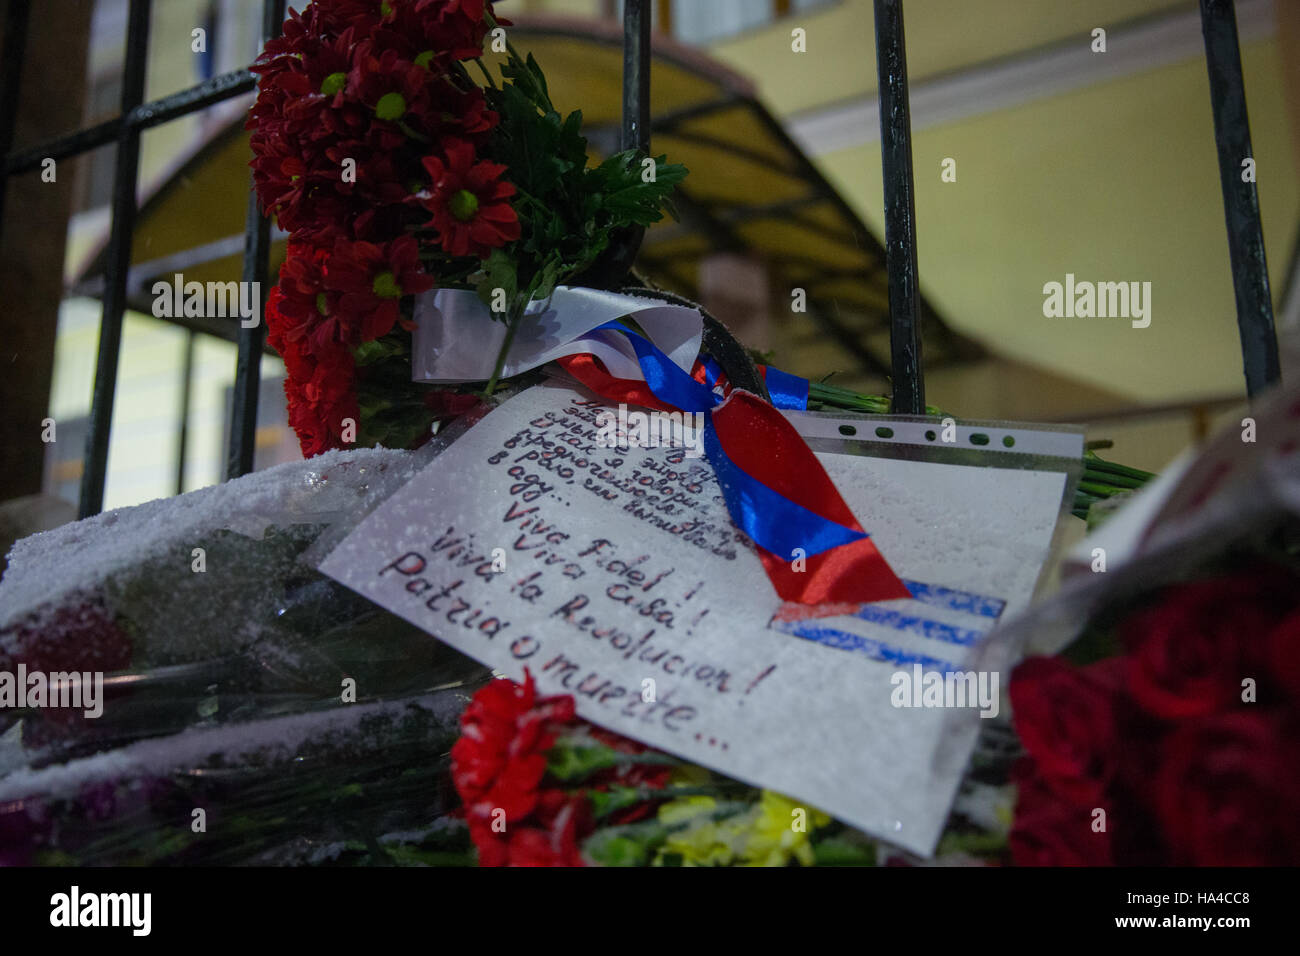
(337, 488)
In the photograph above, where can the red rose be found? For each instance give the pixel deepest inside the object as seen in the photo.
(1050, 831)
(1228, 790)
(1190, 652)
(1284, 655)
(78, 636)
(1065, 718)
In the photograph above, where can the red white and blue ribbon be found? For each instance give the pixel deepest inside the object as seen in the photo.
(812, 547)
(776, 490)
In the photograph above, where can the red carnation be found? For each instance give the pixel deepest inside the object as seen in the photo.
(500, 757)
(551, 837)
(319, 384)
(467, 200)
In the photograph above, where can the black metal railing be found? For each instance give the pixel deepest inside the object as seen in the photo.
(123, 132)
(1232, 134)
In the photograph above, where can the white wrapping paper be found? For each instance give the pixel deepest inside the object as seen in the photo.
(457, 340)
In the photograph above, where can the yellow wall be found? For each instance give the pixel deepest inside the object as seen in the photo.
(1118, 182)
(942, 36)
(146, 413)
(1115, 181)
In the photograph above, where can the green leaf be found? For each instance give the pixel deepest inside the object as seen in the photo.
(540, 78)
(500, 272)
(625, 197)
(610, 848)
(844, 850)
(571, 759)
(603, 803)
(368, 353)
(544, 282)
(628, 845)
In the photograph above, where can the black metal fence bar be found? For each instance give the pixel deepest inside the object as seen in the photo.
(1240, 199)
(183, 410)
(116, 263)
(155, 113)
(900, 210)
(636, 76)
(11, 74)
(248, 363)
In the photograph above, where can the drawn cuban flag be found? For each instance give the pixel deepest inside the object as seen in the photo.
(937, 627)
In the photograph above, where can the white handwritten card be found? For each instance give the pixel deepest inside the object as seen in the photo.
(615, 575)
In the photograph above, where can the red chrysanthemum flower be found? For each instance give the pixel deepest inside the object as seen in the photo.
(319, 384)
(335, 16)
(350, 96)
(370, 279)
(457, 26)
(305, 309)
(397, 91)
(468, 202)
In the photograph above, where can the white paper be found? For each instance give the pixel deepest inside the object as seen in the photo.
(622, 566)
(457, 340)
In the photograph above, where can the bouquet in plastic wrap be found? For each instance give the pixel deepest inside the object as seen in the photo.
(235, 706)
(1159, 706)
(232, 705)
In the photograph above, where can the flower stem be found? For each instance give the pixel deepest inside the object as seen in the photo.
(486, 75)
(512, 326)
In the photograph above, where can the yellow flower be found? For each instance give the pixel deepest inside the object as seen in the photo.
(781, 831)
(683, 808)
(771, 833)
(704, 841)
